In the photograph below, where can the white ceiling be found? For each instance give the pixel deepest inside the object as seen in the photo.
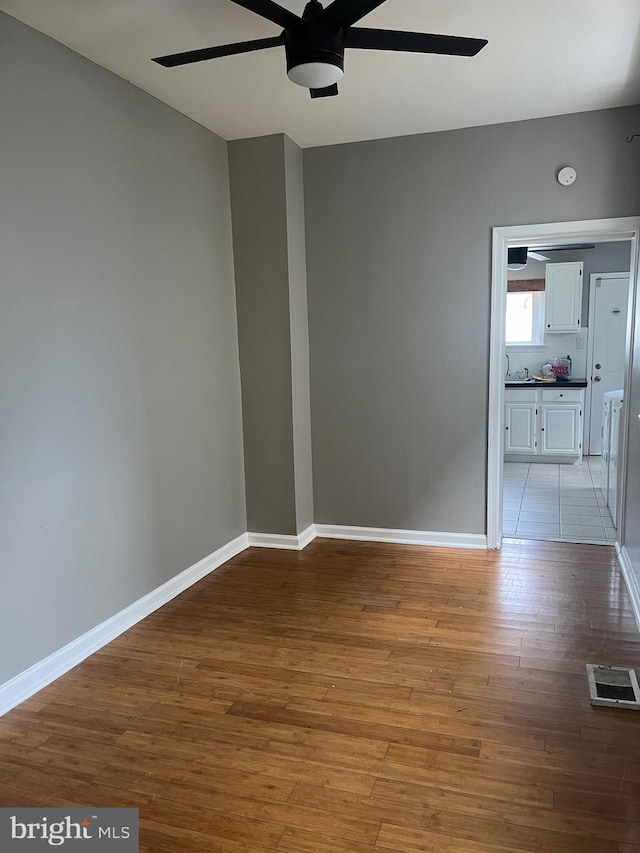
(546, 57)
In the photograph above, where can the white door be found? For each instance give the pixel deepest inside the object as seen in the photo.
(560, 429)
(608, 317)
(520, 428)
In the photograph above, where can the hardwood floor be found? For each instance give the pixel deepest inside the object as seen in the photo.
(354, 698)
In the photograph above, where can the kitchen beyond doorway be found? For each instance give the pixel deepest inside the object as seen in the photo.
(556, 503)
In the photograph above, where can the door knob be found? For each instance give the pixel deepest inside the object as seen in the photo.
(598, 366)
(597, 378)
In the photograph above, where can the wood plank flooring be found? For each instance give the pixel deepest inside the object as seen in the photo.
(354, 698)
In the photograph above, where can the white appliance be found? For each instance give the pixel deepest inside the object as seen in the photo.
(614, 443)
(604, 444)
(611, 408)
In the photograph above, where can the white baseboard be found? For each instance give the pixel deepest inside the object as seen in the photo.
(32, 680)
(402, 537)
(288, 543)
(307, 536)
(631, 580)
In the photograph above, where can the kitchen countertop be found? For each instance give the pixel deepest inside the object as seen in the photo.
(570, 383)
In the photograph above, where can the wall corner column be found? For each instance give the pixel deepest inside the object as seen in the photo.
(267, 206)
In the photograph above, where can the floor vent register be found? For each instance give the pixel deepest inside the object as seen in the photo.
(613, 686)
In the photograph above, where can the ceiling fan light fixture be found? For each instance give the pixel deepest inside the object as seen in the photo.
(315, 75)
(517, 258)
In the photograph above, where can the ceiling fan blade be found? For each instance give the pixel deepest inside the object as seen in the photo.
(271, 11)
(214, 52)
(327, 92)
(537, 256)
(343, 13)
(412, 42)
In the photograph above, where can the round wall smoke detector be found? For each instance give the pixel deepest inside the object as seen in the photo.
(566, 176)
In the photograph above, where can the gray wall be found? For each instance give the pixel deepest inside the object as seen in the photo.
(270, 266)
(258, 204)
(299, 330)
(398, 263)
(120, 421)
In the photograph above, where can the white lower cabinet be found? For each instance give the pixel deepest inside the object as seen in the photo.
(520, 428)
(560, 429)
(544, 422)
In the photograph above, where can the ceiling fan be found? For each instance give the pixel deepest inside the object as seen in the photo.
(315, 43)
(518, 256)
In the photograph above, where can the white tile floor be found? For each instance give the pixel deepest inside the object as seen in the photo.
(561, 503)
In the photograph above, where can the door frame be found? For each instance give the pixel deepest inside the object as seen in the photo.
(504, 237)
(593, 278)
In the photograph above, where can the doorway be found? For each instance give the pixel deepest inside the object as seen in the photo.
(554, 235)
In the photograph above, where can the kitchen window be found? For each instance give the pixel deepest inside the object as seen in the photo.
(525, 317)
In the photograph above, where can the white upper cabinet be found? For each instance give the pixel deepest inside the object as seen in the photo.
(563, 297)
